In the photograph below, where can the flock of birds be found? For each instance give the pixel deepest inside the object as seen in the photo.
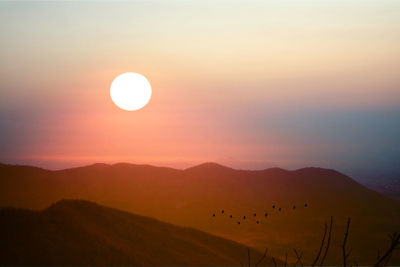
(255, 214)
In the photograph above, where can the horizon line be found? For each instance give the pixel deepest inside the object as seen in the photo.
(167, 167)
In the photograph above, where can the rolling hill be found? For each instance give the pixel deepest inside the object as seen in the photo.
(190, 197)
(73, 232)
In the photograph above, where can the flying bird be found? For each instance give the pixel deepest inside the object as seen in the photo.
(273, 206)
(280, 209)
(213, 214)
(244, 217)
(238, 222)
(254, 214)
(306, 205)
(294, 207)
(230, 216)
(266, 214)
(222, 211)
(258, 222)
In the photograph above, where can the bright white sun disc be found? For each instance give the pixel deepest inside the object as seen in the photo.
(130, 91)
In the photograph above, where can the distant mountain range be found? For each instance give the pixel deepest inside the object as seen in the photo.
(387, 185)
(190, 198)
(72, 232)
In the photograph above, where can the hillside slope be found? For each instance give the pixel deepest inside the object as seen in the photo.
(190, 197)
(73, 232)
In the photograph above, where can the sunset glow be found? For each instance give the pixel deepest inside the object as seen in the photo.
(251, 85)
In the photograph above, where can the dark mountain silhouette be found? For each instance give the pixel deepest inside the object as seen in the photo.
(190, 197)
(75, 232)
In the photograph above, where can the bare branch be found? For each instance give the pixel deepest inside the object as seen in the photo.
(387, 260)
(328, 242)
(273, 259)
(345, 254)
(320, 248)
(285, 259)
(395, 242)
(261, 259)
(298, 258)
(248, 255)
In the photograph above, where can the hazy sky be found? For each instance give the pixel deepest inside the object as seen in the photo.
(250, 84)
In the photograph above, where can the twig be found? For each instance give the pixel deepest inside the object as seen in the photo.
(248, 255)
(387, 260)
(320, 248)
(395, 242)
(298, 258)
(328, 243)
(265, 254)
(345, 255)
(273, 259)
(285, 259)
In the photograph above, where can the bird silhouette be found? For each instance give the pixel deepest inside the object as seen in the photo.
(257, 222)
(306, 205)
(280, 209)
(273, 206)
(294, 207)
(254, 214)
(266, 214)
(222, 211)
(238, 222)
(230, 216)
(213, 214)
(244, 217)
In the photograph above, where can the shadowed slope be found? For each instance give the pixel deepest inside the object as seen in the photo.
(83, 233)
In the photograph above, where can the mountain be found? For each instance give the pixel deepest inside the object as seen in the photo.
(75, 232)
(190, 197)
(386, 185)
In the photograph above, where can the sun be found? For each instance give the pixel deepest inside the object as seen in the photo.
(130, 91)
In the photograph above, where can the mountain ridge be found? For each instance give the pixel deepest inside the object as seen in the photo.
(204, 165)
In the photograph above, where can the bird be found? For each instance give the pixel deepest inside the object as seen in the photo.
(238, 222)
(266, 214)
(254, 214)
(273, 206)
(213, 214)
(222, 211)
(280, 209)
(258, 222)
(294, 207)
(306, 205)
(230, 216)
(244, 217)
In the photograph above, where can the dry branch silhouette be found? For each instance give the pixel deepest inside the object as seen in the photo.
(261, 259)
(328, 242)
(345, 253)
(394, 244)
(285, 259)
(322, 245)
(298, 258)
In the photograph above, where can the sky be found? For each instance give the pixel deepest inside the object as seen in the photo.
(248, 84)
